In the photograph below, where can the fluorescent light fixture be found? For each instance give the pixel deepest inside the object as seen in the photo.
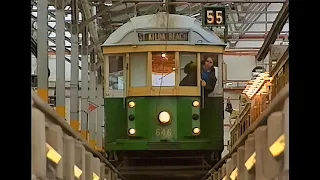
(52, 154)
(251, 161)
(195, 15)
(278, 146)
(108, 3)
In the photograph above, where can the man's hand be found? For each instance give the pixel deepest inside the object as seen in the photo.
(203, 83)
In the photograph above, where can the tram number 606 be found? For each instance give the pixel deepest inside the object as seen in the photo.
(214, 18)
(163, 132)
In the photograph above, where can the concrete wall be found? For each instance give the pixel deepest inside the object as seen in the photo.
(239, 67)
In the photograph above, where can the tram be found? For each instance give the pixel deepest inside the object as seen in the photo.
(148, 114)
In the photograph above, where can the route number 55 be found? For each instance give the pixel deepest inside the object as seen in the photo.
(214, 18)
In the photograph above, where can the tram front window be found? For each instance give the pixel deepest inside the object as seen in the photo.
(116, 72)
(209, 71)
(188, 69)
(163, 69)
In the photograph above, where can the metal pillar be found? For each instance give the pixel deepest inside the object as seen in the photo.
(42, 50)
(74, 84)
(60, 62)
(100, 111)
(92, 100)
(100, 102)
(84, 84)
(92, 95)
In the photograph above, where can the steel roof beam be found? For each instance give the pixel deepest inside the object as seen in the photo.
(276, 28)
(100, 13)
(246, 25)
(93, 32)
(203, 1)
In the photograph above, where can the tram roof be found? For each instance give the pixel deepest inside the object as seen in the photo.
(158, 22)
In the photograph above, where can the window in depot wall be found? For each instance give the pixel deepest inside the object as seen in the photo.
(116, 72)
(163, 69)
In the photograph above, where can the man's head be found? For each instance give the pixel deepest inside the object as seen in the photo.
(208, 63)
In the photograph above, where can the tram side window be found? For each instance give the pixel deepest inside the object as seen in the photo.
(209, 67)
(188, 69)
(138, 69)
(116, 72)
(163, 69)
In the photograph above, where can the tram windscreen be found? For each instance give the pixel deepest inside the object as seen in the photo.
(116, 72)
(163, 69)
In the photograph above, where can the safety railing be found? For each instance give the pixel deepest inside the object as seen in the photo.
(280, 73)
(59, 152)
(262, 151)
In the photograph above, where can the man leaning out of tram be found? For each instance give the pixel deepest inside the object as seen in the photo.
(208, 77)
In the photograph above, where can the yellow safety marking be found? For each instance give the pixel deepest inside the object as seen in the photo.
(100, 149)
(93, 143)
(61, 110)
(155, 48)
(43, 93)
(75, 124)
(85, 134)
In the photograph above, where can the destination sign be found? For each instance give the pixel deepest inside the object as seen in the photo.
(213, 16)
(164, 36)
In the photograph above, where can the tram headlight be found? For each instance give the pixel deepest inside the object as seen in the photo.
(131, 131)
(131, 104)
(196, 130)
(164, 117)
(195, 103)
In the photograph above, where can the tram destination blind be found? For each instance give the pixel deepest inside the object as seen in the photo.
(213, 16)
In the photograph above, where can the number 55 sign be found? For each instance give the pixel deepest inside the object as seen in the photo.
(213, 16)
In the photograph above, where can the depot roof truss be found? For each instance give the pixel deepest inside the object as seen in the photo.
(241, 16)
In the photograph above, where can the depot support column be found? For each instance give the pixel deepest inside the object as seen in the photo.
(100, 112)
(60, 61)
(92, 95)
(93, 102)
(74, 96)
(42, 49)
(84, 84)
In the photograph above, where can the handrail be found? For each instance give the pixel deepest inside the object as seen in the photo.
(283, 94)
(55, 118)
(281, 62)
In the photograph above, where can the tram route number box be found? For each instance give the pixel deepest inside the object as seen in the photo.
(214, 16)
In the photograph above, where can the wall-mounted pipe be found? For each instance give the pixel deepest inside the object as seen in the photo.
(255, 36)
